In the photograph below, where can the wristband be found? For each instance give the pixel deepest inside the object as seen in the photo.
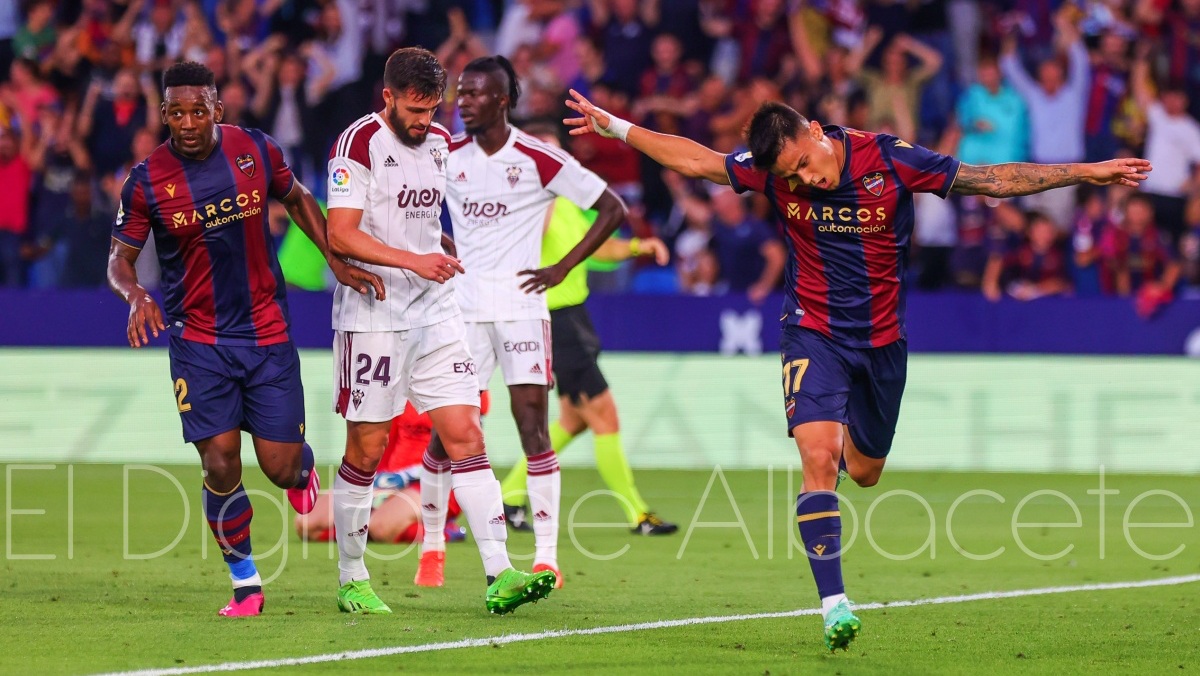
(617, 128)
(634, 246)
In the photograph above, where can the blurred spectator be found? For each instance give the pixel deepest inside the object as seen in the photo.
(1038, 267)
(1172, 146)
(35, 40)
(895, 86)
(338, 55)
(1092, 221)
(1008, 235)
(16, 179)
(612, 160)
(85, 227)
(109, 123)
(750, 255)
(1108, 88)
(26, 92)
(591, 66)
(1057, 104)
(935, 232)
(1181, 28)
(993, 120)
(625, 30)
(683, 19)
(1135, 258)
(663, 86)
(1189, 246)
(10, 20)
(762, 39)
(159, 37)
(556, 46)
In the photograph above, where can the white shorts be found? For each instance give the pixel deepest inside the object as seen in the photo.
(521, 348)
(377, 373)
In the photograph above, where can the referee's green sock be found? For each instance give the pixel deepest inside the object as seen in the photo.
(614, 470)
(513, 485)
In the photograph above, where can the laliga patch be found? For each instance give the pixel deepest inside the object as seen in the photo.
(874, 183)
(339, 180)
(246, 164)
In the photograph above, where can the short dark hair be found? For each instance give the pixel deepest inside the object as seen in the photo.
(188, 74)
(773, 124)
(491, 65)
(417, 70)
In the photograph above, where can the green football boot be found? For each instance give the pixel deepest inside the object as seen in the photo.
(841, 626)
(513, 589)
(358, 597)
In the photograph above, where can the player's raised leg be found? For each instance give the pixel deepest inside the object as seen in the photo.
(228, 510)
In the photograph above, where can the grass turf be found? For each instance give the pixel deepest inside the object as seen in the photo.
(101, 610)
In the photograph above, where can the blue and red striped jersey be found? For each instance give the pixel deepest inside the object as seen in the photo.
(848, 247)
(221, 279)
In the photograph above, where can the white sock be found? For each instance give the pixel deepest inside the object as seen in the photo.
(254, 580)
(829, 602)
(351, 514)
(545, 494)
(435, 499)
(478, 493)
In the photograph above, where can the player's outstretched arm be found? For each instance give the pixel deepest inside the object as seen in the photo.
(122, 279)
(305, 211)
(347, 241)
(673, 152)
(612, 212)
(1026, 178)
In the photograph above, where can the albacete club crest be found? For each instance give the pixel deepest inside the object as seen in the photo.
(357, 398)
(514, 175)
(437, 157)
(246, 164)
(873, 183)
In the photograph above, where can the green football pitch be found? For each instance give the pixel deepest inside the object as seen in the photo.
(135, 581)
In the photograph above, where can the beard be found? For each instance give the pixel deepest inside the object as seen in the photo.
(403, 131)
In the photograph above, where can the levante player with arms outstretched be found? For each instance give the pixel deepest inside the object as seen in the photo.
(845, 201)
(203, 194)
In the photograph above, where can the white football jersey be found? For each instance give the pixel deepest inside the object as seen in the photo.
(399, 189)
(498, 205)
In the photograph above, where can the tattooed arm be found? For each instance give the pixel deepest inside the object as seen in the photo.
(1026, 178)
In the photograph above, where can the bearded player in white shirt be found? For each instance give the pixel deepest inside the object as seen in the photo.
(387, 178)
(500, 185)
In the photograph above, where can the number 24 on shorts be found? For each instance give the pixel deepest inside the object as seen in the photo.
(382, 374)
(793, 372)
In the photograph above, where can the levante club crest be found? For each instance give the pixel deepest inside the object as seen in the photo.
(873, 183)
(246, 164)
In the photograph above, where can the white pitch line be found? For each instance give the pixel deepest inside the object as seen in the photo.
(640, 626)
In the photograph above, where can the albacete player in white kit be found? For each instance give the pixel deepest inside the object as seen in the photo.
(387, 178)
(500, 186)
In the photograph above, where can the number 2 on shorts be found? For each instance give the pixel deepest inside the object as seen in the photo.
(791, 383)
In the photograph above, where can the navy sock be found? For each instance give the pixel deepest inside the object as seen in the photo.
(820, 525)
(229, 518)
(307, 461)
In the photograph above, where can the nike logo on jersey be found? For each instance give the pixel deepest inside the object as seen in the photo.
(390, 162)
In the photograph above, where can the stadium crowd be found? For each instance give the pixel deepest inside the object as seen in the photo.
(987, 80)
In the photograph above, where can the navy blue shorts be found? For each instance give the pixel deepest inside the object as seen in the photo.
(224, 387)
(859, 387)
